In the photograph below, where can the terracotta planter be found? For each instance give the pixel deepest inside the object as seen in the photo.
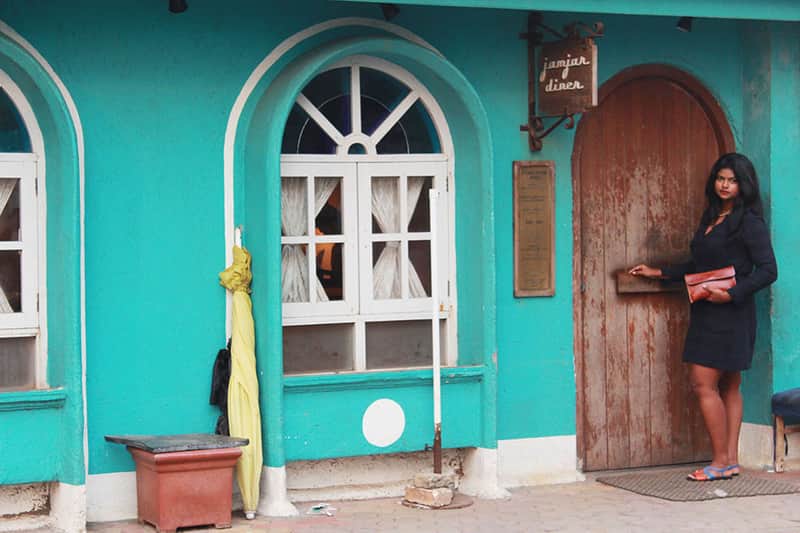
(185, 488)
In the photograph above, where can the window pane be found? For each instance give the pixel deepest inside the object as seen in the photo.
(380, 93)
(402, 344)
(330, 269)
(295, 125)
(395, 141)
(328, 85)
(386, 204)
(337, 111)
(13, 133)
(314, 140)
(419, 273)
(17, 358)
(294, 208)
(328, 200)
(10, 286)
(413, 134)
(294, 273)
(386, 270)
(422, 136)
(419, 209)
(323, 348)
(9, 209)
(330, 93)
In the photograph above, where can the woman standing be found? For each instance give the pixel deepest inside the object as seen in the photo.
(722, 328)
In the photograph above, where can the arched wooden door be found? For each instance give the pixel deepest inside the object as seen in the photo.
(640, 163)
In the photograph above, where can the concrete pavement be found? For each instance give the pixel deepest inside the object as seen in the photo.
(574, 507)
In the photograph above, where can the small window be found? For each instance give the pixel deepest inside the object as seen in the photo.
(361, 154)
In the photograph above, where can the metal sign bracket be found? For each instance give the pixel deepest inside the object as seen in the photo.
(534, 37)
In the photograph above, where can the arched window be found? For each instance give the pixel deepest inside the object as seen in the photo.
(362, 149)
(20, 230)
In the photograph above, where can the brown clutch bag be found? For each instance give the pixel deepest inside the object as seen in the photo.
(723, 278)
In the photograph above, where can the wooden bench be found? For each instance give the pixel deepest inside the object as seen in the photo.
(183, 480)
(785, 406)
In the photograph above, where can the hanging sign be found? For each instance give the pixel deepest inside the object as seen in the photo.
(534, 228)
(567, 81)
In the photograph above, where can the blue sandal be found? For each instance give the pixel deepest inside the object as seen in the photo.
(710, 473)
(733, 469)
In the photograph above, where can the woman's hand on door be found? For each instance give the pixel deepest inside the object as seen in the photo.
(645, 271)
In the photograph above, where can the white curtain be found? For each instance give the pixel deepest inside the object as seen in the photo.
(294, 220)
(6, 190)
(386, 210)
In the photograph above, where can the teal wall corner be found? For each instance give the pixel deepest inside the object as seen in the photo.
(756, 143)
(784, 161)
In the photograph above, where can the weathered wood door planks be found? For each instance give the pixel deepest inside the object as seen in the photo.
(639, 167)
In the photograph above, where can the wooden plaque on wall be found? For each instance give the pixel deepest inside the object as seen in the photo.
(534, 228)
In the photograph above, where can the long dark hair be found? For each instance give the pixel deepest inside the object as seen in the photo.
(749, 197)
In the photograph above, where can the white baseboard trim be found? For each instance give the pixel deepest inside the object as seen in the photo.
(482, 474)
(111, 497)
(274, 499)
(68, 507)
(755, 446)
(538, 461)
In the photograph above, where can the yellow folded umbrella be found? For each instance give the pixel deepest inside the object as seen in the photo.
(244, 416)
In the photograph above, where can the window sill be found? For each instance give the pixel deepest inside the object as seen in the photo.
(380, 380)
(32, 399)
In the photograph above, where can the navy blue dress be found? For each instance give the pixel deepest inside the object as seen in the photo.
(722, 336)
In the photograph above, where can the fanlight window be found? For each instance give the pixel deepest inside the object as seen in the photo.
(358, 110)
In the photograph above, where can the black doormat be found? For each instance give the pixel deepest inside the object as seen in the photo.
(672, 485)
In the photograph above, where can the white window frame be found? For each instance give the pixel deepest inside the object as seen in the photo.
(308, 172)
(30, 168)
(22, 167)
(438, 165)
(366, 172)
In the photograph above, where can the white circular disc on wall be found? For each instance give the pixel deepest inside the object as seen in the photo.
(383, 422)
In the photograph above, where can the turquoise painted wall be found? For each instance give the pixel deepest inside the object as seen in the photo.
(154, 106)
(315, 423)
(784, 164)
(757, 143)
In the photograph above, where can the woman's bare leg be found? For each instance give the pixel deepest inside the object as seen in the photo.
(705, 384)
(731, 396)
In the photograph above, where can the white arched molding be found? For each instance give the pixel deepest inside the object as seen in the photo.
(72, 516)
(247, 90)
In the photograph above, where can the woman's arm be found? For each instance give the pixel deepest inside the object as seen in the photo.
(676, 272)
(756, 239)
